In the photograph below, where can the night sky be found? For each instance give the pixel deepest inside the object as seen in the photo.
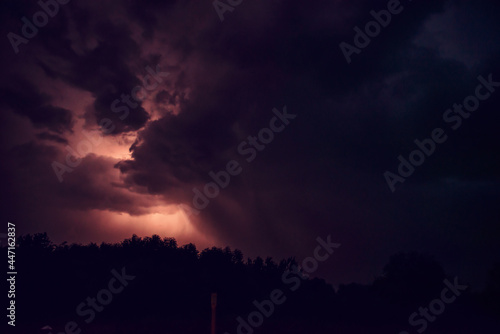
(115, 114)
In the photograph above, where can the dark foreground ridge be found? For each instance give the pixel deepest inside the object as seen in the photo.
(152, 285)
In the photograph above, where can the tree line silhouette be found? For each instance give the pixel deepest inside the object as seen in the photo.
(170, 292)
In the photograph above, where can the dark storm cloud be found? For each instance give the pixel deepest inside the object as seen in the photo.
(89, 187)
(84, 49)
(324, 173)
(24, 98)
(52, 137)
(354, 122)
(104, 71)
(291, 62)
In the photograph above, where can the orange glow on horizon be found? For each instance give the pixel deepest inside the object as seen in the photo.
(168, 221)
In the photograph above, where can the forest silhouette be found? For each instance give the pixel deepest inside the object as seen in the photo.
(171, 288)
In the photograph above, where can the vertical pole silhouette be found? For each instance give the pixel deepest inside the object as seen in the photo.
(214, 304)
